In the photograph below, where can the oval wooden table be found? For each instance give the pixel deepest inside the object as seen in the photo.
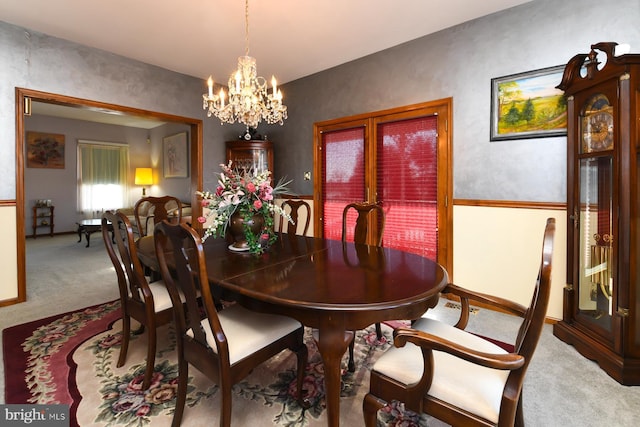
(327, 285)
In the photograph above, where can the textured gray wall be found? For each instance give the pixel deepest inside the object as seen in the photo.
(460, 62)
(40, 62)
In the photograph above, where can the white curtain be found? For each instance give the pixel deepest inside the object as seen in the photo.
(102, 177)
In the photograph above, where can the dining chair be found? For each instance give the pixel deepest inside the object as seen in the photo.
(459, 377)
(294, 207)
(147, 303)
(368, 214)
(225, 345)
(370, 220)
(158, 209)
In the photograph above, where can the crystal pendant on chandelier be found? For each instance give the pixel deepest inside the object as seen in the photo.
(249, 100)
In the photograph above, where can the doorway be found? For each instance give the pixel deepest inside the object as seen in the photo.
(398, 158)
(25, 98)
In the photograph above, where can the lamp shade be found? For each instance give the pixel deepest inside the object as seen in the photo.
(144, 176)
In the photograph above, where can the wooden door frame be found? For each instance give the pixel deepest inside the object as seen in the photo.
(39, 96)
(443, 108)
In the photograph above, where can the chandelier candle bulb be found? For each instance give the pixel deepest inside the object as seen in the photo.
(249, 100)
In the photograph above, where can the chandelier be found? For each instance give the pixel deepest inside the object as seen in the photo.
(249, 101)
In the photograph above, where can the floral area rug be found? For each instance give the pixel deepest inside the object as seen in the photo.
(71, 359)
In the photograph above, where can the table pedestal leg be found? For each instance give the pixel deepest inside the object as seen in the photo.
(332, 346)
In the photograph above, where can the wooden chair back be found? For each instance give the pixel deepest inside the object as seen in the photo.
(294, 207)
(370, 219)
(160, 212)
(137, 299)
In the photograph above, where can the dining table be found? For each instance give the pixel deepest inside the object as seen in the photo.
(333, 286)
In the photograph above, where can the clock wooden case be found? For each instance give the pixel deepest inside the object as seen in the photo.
(602, 294)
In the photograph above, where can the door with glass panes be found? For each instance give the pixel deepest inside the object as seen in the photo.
(397, 158)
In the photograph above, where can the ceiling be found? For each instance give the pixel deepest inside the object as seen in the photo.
(290, 39)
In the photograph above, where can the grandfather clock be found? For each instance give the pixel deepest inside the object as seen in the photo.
(602, 294)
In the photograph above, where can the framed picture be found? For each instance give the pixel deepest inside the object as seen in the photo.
(175, 156)
(528, 105)
(45, 150)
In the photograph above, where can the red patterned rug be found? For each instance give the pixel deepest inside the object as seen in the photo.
(71, 359)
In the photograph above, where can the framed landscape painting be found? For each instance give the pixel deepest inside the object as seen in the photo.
(528, 105)
(45, 150)
(175, 156)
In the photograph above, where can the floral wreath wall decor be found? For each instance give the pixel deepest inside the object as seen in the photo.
(245, 196)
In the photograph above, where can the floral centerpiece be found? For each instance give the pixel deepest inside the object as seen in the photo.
(247, 197)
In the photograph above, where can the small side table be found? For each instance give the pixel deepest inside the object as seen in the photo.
(90, 226)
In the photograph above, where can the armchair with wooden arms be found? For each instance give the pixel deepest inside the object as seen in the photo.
(459, 377)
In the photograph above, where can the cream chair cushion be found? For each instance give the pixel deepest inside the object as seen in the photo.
(474, 388)
(161, 298)
(248, 331)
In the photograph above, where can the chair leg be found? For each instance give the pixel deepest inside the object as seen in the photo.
(225, 396)
(378, 331)
(181, 394)
(151, 358)
(124, 347)
(519, 421)
(370, 407)
(352, 364)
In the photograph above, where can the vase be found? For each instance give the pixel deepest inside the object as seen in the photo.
(236, 229)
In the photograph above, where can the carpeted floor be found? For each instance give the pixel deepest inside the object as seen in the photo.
(70, 359)
(562, 388)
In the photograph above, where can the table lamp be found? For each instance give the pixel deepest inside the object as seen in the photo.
(144, 176)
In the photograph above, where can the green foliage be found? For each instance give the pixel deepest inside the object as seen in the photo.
(544, 113)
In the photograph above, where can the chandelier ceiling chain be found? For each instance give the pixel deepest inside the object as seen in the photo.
(249, 100)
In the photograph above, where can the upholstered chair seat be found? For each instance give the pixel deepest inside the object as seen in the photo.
(238, 321)
(466, 385)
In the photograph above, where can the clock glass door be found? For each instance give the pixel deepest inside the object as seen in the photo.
(596, 237)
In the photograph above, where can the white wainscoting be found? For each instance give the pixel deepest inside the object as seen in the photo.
(8, 255)
(497, 251)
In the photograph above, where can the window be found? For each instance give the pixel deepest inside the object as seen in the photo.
(102, 176)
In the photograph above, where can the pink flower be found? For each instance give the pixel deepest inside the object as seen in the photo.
(257, 204)
(251, 187)
(204, 203)
(219, 190)
(202, 219)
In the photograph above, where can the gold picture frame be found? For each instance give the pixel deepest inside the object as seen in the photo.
(528, 105)
(45, 150)
(175, 156)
